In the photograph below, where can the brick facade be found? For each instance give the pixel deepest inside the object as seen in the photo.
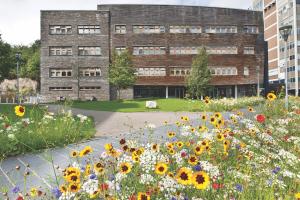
(129, 15)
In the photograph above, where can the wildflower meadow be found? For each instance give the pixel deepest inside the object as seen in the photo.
(250, 154)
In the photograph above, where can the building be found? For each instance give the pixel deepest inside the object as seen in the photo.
(278, 13)
(77, 48)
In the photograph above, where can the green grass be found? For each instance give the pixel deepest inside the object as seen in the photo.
(37, 130)
(138, 105)
(165, 105)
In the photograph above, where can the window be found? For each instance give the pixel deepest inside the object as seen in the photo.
(60, 29)
(83, 88)
(223, 71)
(60, 73)
(89, 29)
(86, 72)
(89, 51)
(60, 88)
(179, 71)
(120, 50)
(149, 50)
(251, 29)
(246, 71)
(222, 50)
(209, 50)
(220, 29)
(185, 29)
(120, 29)
(292, 57)
(148, 29)
(60, 51)
(151, 71)
(249, 50)
(291, 69)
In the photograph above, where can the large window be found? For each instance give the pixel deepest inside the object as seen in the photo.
(223, 71)
(89, 51)
(148, 29)
(179, 71)
(60, 51)
(60, 88)
(149, 50)
(221, 29)
(209, 50)
(55, 73)
(249, 50)
(89, 29)
(251, 29)
(60, 29)
(185, 29)
(86, 72)
(120, 29)
(246, 71)
(151, 71)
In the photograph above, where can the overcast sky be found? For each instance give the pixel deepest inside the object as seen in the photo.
(20, 19)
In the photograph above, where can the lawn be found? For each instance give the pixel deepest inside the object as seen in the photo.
(38, 129)
(168, 105)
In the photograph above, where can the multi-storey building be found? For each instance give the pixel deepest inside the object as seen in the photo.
(258, 5)
(278, 13)
(163, 39)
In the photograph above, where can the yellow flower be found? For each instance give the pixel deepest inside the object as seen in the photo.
(226, 145)
(171, 151)
(86, 151)
(74, 154)
(108, 147)
(206, 101)
(198, 150)
(178, 124)
(155, 147)
(33, 192)
(161, 168)
(99, 168)
(170, 145)
(143, 196)
(250, 109)
(179, 144)
(200, 180)
(20, 110)
(87, 171)
(73, 178)
(204, 117)
(63, 189)
(220, 137)
(95, 194)
(171, 134)
(125, 168)
(193, 160)
(74, 187)
(271, 96)
(213, 120)
(218, 115)
(202, 128)
(165, 122)
(184, 176)
(297, 195)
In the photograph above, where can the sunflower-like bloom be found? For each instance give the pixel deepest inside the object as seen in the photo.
(200, 180)
(297, 195)
(161, 168)
(143, 196)
(204, 117)
(125, 168)
(198, 150)
(193, 160)
(20, 110)
(86, 151)
(213, 120)
(179, 144)
(218, 115)
(99, 168)
(63, 188)
(250, 109)
(220, 137)
(74, 187)
(33, 192)
(184, 176)
(74, 154)
(271, 96)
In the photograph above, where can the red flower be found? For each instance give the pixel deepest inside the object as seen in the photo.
(285, 138)
(6, 125)
(260, 118)
(19, 198)
(132, 197)
(104, 186)
(183, 154)
(217, 186)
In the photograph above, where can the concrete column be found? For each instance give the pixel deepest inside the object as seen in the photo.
(167, 92)
(235, 92)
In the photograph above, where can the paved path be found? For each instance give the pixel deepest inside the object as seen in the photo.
(110, 128)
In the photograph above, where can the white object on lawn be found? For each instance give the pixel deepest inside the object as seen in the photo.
(151, 104)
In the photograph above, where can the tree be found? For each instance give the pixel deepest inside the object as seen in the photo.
(6, 60)
(199, 77)
(121, 72)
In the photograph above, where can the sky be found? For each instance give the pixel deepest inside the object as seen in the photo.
(20, 19)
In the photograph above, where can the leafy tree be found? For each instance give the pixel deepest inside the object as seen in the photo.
(6, 60)
(121, 71)
(199, 77)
